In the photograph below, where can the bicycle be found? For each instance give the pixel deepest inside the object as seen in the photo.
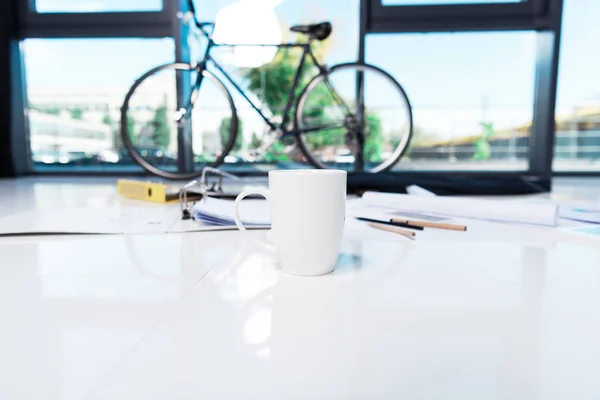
(330, 130)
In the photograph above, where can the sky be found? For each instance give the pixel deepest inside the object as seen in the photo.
(450, 78)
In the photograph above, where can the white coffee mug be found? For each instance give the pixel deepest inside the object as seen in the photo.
(308, 208)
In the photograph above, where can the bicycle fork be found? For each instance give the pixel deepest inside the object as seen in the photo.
(182, 114)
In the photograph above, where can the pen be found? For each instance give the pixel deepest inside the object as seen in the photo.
(392, 223)
(393, 229)
(428, 224)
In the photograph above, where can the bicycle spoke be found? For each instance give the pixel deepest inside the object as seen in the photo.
(360, 99)
(159, 129)
(360, 133)
(366, 126)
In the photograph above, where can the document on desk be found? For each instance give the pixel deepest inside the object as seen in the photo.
(90, 221)
(212, 214)
(131, 220)
(490, 210)
(253, 212)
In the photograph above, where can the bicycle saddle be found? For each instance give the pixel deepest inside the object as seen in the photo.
(319, 31)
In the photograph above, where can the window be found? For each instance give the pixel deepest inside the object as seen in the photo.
(75, 88)
(92, 6)
(577, 143)
(342, 46)
(471, 94)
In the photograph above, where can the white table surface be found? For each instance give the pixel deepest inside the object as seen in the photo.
(499, 312)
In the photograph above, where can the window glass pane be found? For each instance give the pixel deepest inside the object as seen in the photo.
(75, 89)
(471, 94)
(268, 85)
(78, 6)
(441, 2)
(577, 145)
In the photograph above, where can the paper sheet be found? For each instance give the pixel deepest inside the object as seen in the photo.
(89, 220)
(220, 212)
(358, 208)
(416, 190)
(490, 210)
(589, 213)
(130, 220)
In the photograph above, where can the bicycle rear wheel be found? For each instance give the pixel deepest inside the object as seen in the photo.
(156, 136)
(348, 100)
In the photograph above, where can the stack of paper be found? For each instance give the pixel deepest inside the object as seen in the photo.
(220, 212)
(489, 210)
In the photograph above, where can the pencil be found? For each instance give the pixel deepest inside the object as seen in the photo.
(427, 224)
(389, 222)
(392, 229)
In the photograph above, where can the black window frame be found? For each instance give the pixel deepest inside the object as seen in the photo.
(525, 9)
(530, 15)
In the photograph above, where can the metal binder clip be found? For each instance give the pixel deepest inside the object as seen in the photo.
(202, 188)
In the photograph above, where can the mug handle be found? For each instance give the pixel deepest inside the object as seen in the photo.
(260, 243)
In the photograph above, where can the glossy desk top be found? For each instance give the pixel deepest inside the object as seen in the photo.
(511, 313)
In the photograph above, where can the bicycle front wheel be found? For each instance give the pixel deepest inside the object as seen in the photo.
(347, 101)
(174, 121)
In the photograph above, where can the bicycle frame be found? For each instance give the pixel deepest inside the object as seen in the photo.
(306, 53)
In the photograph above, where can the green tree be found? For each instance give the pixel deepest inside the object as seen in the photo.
(224, 132)
(255, 142)
(76, 113)
(483, 150)
(374, 143)
(107, 120)
(272, 81)
(162, 132)
(131, 127)
(276, 153)
(321, 109)
(51, 110)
